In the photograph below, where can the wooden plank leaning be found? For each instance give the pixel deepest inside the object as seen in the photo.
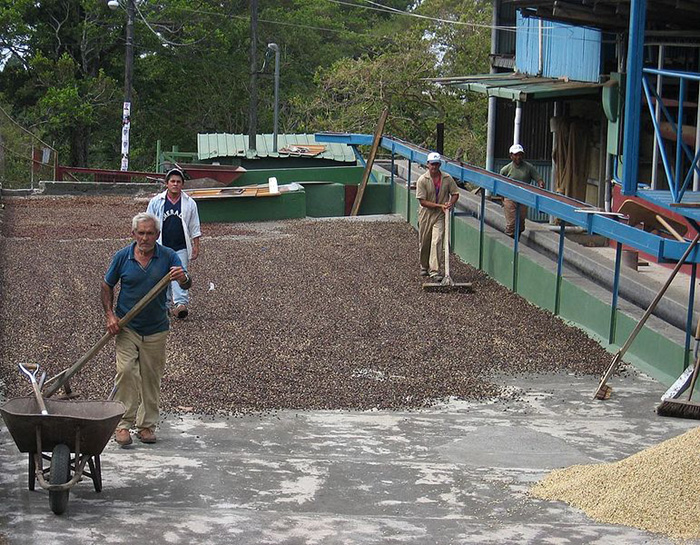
(603, 391)
(57, 381)
(370, 161)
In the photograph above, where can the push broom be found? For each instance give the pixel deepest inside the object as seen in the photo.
(447, 284)
(684, 408)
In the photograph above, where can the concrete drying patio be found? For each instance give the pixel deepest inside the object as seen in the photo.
(454, 474)
(386, 464)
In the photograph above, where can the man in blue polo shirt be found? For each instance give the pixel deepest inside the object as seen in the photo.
(140, 345)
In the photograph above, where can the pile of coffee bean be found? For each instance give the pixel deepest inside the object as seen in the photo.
(655, 489)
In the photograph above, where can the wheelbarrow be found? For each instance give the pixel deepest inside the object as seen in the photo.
(74, 432)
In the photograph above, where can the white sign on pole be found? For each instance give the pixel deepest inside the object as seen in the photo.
(126, 126)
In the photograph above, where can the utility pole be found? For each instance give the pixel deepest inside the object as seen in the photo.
(253, 107)
(128, 75)
(274, 47)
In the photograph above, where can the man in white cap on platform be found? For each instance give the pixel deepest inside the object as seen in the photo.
(436, 192)
(522, 171)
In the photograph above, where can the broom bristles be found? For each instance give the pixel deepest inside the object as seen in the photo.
(679, 409)
(445, 288)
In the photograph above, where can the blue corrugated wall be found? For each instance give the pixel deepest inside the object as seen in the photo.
(568, 51)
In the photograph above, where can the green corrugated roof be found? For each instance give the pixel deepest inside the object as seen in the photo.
(521, 87)
(211, 146)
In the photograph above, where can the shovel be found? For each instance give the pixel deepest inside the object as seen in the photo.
(61, 378)
(31, 369)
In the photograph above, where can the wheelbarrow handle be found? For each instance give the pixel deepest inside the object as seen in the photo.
(57, 381)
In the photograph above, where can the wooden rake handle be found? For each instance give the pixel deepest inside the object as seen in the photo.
(446, 242)
(618, 356)
(60, 379)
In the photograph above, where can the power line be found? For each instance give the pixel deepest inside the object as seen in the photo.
(270, 21)
(25, 130)
(375, 6)
(394, 11)
(387, 9)
(160, 36)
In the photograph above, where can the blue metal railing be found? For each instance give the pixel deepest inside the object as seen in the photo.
(678, 179)
(566, 209)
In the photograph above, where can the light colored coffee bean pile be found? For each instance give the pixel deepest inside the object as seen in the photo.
(656, 489)
(299, 314)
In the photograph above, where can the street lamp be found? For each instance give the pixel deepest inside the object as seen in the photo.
(128, 73)
(274, 47)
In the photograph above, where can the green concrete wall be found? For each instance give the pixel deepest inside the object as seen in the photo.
(400, 205)
(376, 199)
(324, 200)
(285, 206)
(317, 200)
(651, 352)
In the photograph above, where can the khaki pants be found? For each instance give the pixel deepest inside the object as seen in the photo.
(431, 230)
(140, 366)
(509, 208)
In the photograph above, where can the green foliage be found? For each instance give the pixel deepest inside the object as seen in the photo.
(351, 93)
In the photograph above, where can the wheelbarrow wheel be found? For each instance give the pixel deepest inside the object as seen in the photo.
(59, 474)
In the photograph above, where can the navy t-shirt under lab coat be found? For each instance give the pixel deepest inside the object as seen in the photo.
(173, 235)
(137, 281)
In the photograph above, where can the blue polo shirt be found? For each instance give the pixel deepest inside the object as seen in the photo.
(137, 281)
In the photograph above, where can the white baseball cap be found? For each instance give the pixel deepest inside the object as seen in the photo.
(516, 148)
(434, 157)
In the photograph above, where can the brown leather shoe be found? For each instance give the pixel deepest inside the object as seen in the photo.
(146, 435)
(123, 437)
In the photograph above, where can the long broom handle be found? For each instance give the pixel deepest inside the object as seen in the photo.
(64, 375)
(618, 356)
(447, 243)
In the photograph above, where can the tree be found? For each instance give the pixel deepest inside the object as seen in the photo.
(352, 92)
(62, 70)
(59, 47)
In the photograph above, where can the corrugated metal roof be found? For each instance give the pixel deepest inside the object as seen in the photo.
(211, 146)
(516, 86)
(614, 15)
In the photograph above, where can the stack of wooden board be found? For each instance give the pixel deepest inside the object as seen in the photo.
(260, 190)
(306, 150)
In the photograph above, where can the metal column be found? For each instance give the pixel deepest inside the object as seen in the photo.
(633, 97)
(616, 289)
(691, 308)
(560, 265)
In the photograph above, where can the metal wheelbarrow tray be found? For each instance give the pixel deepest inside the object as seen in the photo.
(74, 432)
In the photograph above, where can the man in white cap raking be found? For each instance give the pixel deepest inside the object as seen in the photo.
(436, 192)
(522, 171)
